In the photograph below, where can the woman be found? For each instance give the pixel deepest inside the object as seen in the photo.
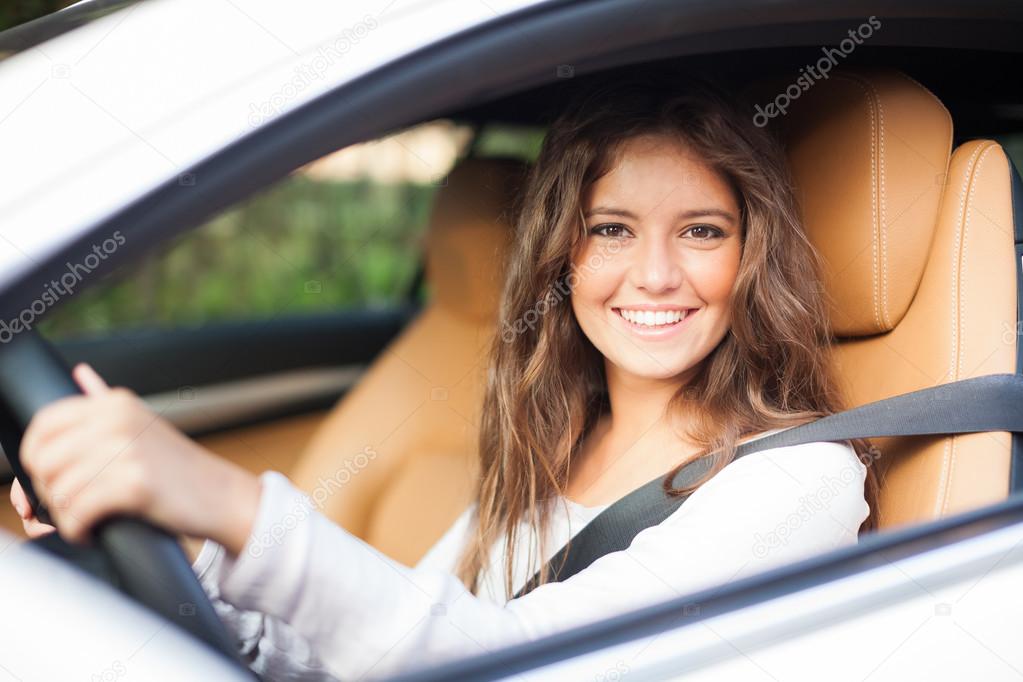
(662, 304)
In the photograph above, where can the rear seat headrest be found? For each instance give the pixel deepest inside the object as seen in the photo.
(869, 152)
(469, 234)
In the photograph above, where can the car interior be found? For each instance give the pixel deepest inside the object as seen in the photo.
(434, 372)
(919, 299)
(907, 189)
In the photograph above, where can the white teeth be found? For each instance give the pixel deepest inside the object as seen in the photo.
(649, 318)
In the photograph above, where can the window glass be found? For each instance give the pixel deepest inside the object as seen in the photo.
(520, 142)
(343, 232)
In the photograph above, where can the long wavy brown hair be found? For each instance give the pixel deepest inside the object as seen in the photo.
(546, 385)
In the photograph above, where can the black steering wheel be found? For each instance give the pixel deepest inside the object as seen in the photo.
(139, 559)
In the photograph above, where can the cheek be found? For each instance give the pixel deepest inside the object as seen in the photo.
(713, 278)
(596, 276)
(587, 297)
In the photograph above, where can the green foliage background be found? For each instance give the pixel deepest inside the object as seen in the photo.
(304, 245)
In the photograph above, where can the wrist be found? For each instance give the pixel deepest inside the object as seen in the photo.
(238, 506)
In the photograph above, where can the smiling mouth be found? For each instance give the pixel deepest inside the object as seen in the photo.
(646, 319)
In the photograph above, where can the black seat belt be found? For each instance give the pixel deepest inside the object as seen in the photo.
(987, 403)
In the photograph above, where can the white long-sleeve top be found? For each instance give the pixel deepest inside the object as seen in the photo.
(309, 601)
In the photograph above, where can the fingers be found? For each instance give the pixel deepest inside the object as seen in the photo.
(57, 416)
(61, 476)
(20, 501)
(34, 528)
(79, 452)
(93, 503)
(50, 462)
(81, 490)
(90, 382)
(50, 422)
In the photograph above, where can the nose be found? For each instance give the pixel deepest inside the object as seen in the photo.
(656, 268)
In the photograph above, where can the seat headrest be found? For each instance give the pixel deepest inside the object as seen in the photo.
(469, 234)
(869, 152)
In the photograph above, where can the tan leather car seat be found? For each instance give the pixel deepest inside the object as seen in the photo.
(918, 240)
(394, 461)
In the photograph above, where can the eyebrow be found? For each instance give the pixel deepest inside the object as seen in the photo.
(684, 215)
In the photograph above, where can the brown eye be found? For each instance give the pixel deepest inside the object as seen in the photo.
(705, 233)
(610, 230)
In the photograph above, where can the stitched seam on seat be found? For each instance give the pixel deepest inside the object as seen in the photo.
(966, 192)
(949, 449)
(962, 272)
(977, 171)
(874, 211)
(882, 210)
(940, 501)
(875, 297)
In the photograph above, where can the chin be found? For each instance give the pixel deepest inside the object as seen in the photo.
(651, 369)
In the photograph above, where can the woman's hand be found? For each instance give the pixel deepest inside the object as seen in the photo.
(107, 453)
(34, 528)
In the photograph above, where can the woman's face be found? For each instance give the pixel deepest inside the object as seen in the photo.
(653, 277)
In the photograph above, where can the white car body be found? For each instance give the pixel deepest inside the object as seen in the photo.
(95, 119)
(136, 98)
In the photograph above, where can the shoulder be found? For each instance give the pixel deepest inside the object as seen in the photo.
(763, 510)
(810, 494)
(824, 468)
(801, 465)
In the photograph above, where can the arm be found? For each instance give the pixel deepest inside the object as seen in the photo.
(133, 450)
(365, 614)
(271, 648)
